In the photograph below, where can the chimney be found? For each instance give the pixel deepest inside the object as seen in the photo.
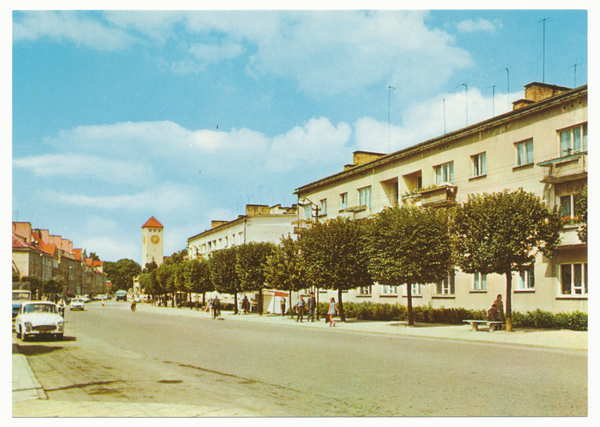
(216, 223)
(253, 210)
(536, 92)
(362, 157)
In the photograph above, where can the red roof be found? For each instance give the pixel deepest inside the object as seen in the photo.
(152, 222)
(18, 243)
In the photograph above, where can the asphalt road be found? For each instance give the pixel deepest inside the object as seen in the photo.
(112, 354)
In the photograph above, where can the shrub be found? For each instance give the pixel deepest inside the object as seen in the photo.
(576, 320)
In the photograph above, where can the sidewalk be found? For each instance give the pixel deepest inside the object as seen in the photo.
(30, 400)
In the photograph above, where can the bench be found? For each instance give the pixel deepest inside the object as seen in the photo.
(475, 323)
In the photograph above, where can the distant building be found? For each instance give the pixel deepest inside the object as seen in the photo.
(35, 252)
(260, 224)
(540, 146)
(152, 242)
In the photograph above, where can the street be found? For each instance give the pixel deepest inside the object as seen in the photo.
(112, 354)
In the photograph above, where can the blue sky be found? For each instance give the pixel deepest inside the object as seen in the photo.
(118, 116)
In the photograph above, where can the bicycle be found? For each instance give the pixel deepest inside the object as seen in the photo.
(216, 313)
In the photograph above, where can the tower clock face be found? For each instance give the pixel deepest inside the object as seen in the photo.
(155, 239)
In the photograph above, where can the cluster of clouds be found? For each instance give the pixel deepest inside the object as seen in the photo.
(326, 52)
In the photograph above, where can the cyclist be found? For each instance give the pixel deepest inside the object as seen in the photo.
(216, 306)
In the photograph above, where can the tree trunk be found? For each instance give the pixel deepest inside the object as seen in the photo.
(341, 306)
(411, 319)
(260, 302)
(235, 304)
(507, 315)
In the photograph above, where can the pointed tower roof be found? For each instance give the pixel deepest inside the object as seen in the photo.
(152, 222)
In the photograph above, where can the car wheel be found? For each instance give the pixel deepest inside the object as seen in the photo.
(19, 333)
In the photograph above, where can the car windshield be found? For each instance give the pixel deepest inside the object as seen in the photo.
(40, 308)
(77, 300)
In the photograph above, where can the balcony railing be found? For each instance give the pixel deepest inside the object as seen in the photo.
(566, 168)
(568, 236)
(443, 195)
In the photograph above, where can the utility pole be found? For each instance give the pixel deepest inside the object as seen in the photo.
(390, 89)
(317, 221)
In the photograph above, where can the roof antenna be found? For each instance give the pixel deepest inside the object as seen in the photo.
(574, 66)
(543, 49)
(493, 96)
(390, 89)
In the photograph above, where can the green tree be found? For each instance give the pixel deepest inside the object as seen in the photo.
(582, 211)
(284, 269)
(409, 245)
(197, 275)
(149, 283)
(36, 286)
(54, 286)
(503, 232)
(122, 273)
(251, 259)
(223, 272)
(335, 256)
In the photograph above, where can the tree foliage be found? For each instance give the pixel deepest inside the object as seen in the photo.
(503, 232)
(335, 256)
(409, 245)
(251, 260)
(223, 272)
(582, 210)
(197, 276)
(122, 273)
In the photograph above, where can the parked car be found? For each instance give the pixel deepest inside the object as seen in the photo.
(121, 295)
(18, 297)
(84, 298)
(77, 304)
(39, 318)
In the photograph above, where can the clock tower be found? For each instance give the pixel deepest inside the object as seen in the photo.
(152, 242)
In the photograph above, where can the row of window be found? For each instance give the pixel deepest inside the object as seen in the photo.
(573, 281)
(221, 243)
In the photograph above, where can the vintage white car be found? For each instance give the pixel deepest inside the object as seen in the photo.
(39, 318)
(77, 304)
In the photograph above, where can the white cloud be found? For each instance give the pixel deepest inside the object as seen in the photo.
(167, 197)
(81, 166)
(326, 52)
(117, 248)
(480, 24)
(70, 26)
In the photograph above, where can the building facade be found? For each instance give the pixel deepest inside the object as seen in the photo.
(261, 223)
(540, 146)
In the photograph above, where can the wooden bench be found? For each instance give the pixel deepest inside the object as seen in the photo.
(475, 323)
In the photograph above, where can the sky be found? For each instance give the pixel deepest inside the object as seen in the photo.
(187, 116)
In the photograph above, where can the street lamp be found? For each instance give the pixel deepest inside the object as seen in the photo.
(317, 221)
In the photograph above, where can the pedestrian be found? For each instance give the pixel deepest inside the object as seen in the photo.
(245, 304)
(311, 303)
(216, 305)
(300, 309)
(332, 311)
(499, 309)
(282, 306)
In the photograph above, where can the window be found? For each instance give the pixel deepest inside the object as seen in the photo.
(308, 211)
(344, 198)
(389, 290)
(446, 286)
(364, 290)
(526, 279)
(415, 289)
(568, 206)
(364, 197)
(524, 152)
(323, 207)
(444, 174)
(479, 164)
(479, 282)
(574, 279)
(573, 140)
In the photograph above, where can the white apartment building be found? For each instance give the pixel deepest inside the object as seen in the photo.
(541, 146)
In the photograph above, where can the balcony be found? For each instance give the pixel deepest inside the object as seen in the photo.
(567, 168)
(569, 238)
(440, 196)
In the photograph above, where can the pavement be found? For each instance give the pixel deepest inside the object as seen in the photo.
(30, 401)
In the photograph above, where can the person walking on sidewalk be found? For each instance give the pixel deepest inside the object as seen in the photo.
(282, 306)
(245, 304)
(300, 309)
(499, 309)
(332, 311)
(311, 303)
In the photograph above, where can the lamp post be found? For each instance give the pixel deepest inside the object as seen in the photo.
(316, 220)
